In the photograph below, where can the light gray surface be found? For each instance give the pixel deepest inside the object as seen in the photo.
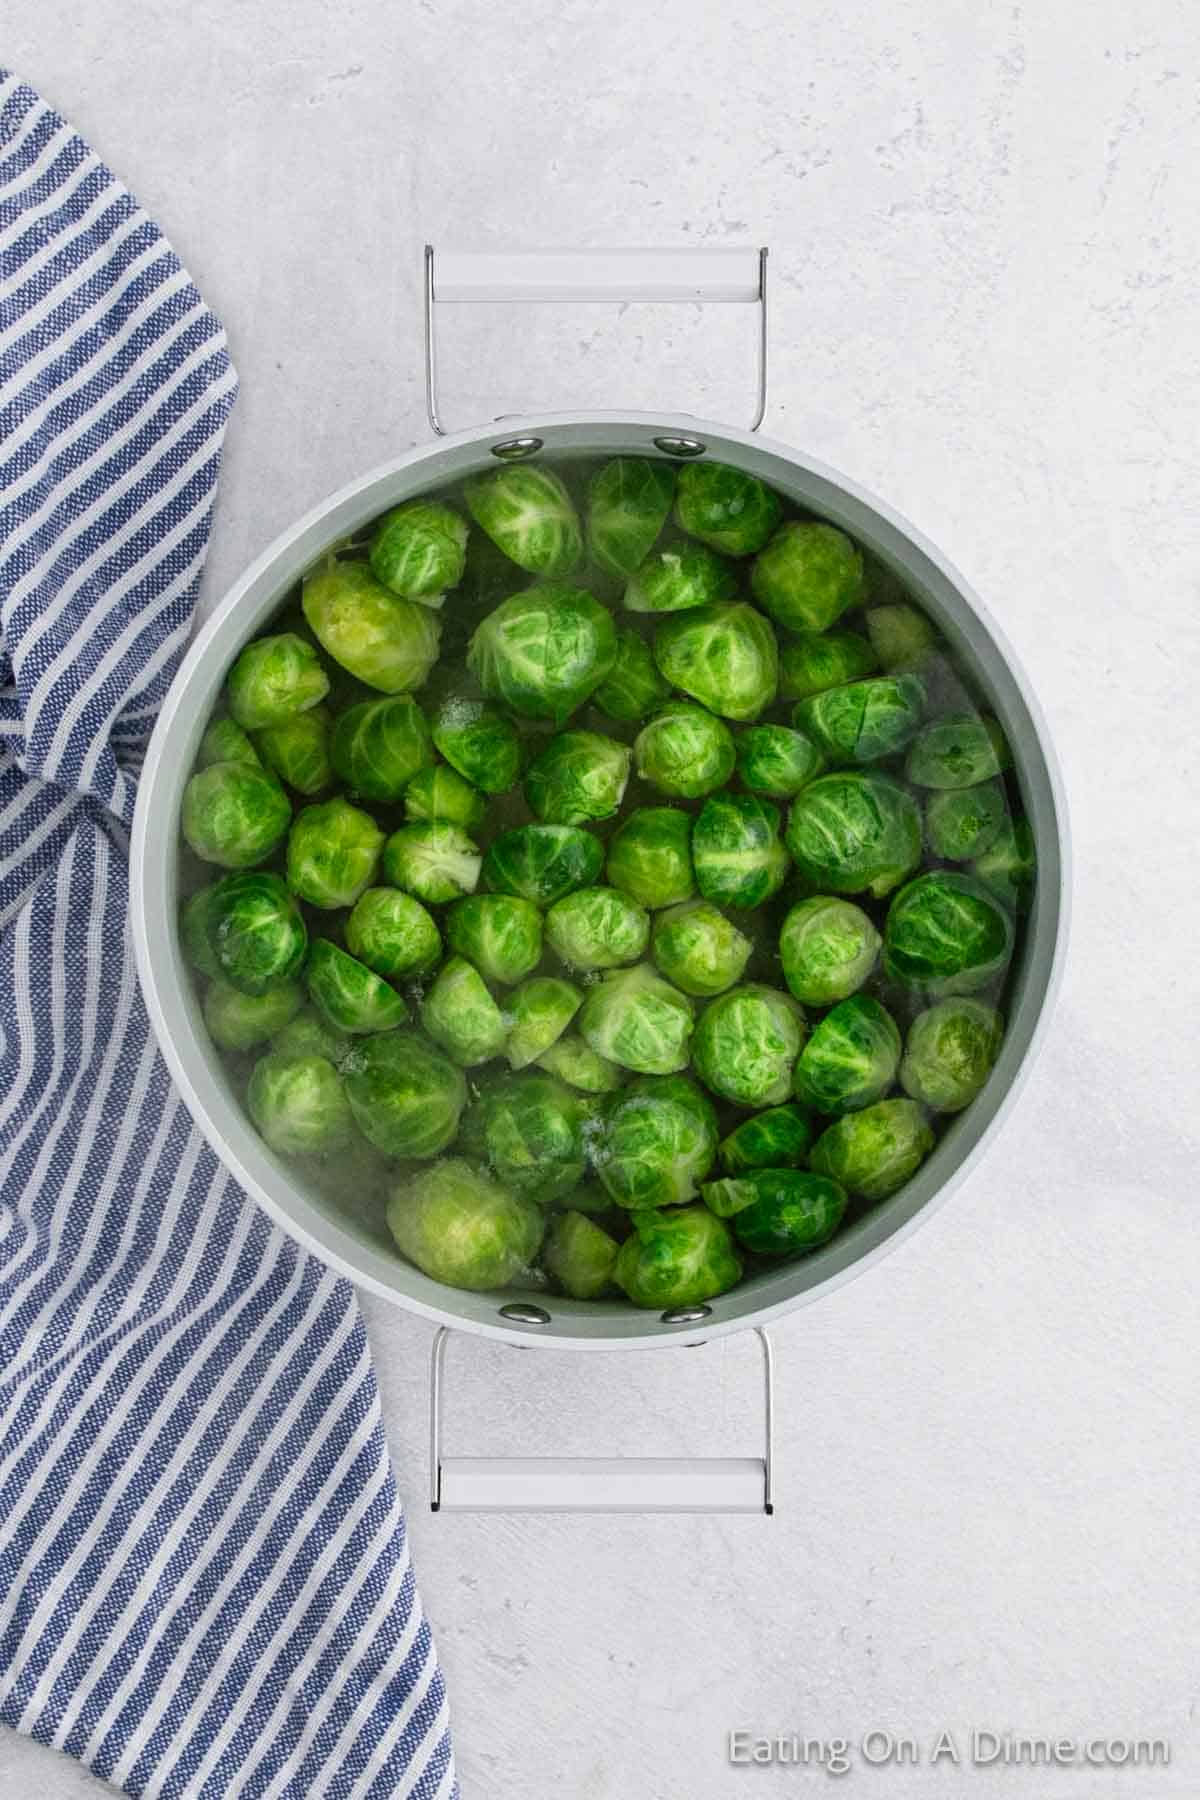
(986, 257)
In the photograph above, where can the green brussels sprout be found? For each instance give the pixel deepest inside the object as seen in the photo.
(597, 928)
(957, 752)
(462, 1228)
(633, 687)
(746, 1044)
(1008, 867)
(544, 652)
(850, 1061)
(254, 930)
(629, 502)
(724, 656)
(527, 513)
(814, 661)
(332, 853)
(274, 678)
(433, 860)
(480, 742)
(828, 948)
(533, 1136)
(388, 643)
(779, 1212)
(234, 814)
(963, 822)
(771, 759)
(677, 1258)
(580, 1256)
(685, 751)
(405, 1095)
(680, 577)
(578, 1065)
(540, 1009)
(308, 1034)
(297, 750)
(580, 775)
(865, 719)
(440, 793)
(348, 994)
(238, 1021)
(738, 858)
(949, 1053)
(725, 508)
(543, 863)
(650, 856)
(855, 832)
(298, 1104)
(635, 1019)
(392, 933)
(658, 1142)
(872, 1153)
(776, 1139)
(419, 550)
(500, 933)
(901, 637)
(460, 1014)
(225, 741)
(379, 745)
(947, 934)
(699, 949)
(194, 935)
(808, 575)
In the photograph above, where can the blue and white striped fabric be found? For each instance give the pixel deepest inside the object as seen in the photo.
(205, 1587)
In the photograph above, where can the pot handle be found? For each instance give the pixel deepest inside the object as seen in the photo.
(593, 1484)
(699, 276)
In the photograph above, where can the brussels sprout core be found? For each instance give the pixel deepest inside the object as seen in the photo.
(957, 752)
(433, 860)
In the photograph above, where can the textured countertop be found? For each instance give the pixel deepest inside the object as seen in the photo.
(985, 249)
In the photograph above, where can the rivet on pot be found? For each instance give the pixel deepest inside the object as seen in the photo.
(680, 446)
(523, 1312)
(513, 449)
(685, 1315)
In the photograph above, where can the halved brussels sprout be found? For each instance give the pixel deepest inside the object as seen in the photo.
(779, 1212)
(389, 643)
(419, 550)
(580, 1256)
(238, 1021)
(872, 1153)
(308, 1034)
(808, 575)
(957, 752)
(681, 1257)
(699, 949)
(480, 742)
(774, 760)
(533, 1136)
(629, 502)
(901, 637)
(460, 1014)
(234, 814)
(746, 1044)
(348, 994)
(274, 678)
(332, 853)
(379, 745)
(633, 687)
(947, 934)
(225, 741)
(543, 862)
(578, 1065)
(639, 1021)
(828, 948)
(724, 656)
(253, 928)
(1008, 867)
(580, 775)
(441, 793)
(500, 933)
(597, 928)
(528, 513)
(685, 751)
(864, 720)
(854, 833)
(405, 1095)
(433, 860)
(298, 750)
(725, 508)
(963, 822)
(850, 1061)
(736, 852)
(545, 651)
(540, 1009)
(392, 933)
(462, 1228)
(298, 1104)
(658, 1142)
(680, 577)
(776, 1139)
(814, 661)
(650, 856)
(950, 1051)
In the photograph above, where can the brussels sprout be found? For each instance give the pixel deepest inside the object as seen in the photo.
(949, 1053)
(808, 575)
(193, 932)
(650, 856)
(544, 651)
(462, 1228)
(441, 793)
(947, 934)
(873, 1152)
(254, 929)
(298, 1104)
(814, 661)
(527, 513)
(406, 1096)
(389, 643)
(635, 1019)
(738, 858)
(392, 933)
(779, 1212)
(480, 742)
(500, 933)
(957, 752)
(658, 1142)
(850, 1061)
(348, 994)
(629, 501)
(864, 720)
(590, 1198)
(901, 637)
(773, 760)
(543, 862)
(828, 948)
(433, 860)
(699, 949)
(677, 1258)
(238, 1021)
(225, 741)
(308, 1034)
(332, 853)
(776, 1139)
(685, 751)
(580, 1256)
(1008, 867)
(634, 687)
(234, 814)
(597, 928)
(725, 508)
(580, 775)
(680, 577)
(379, 745)
(724, 656)
(746, 1045)
(274, 678)
(297, 750)
(963, 822)
(533, 1136)
(578, 1065)
(419, 550)
(855, 833)
(541, 1009)
(459, 1013)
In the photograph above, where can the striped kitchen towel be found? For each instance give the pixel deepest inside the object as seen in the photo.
(205, 1586)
